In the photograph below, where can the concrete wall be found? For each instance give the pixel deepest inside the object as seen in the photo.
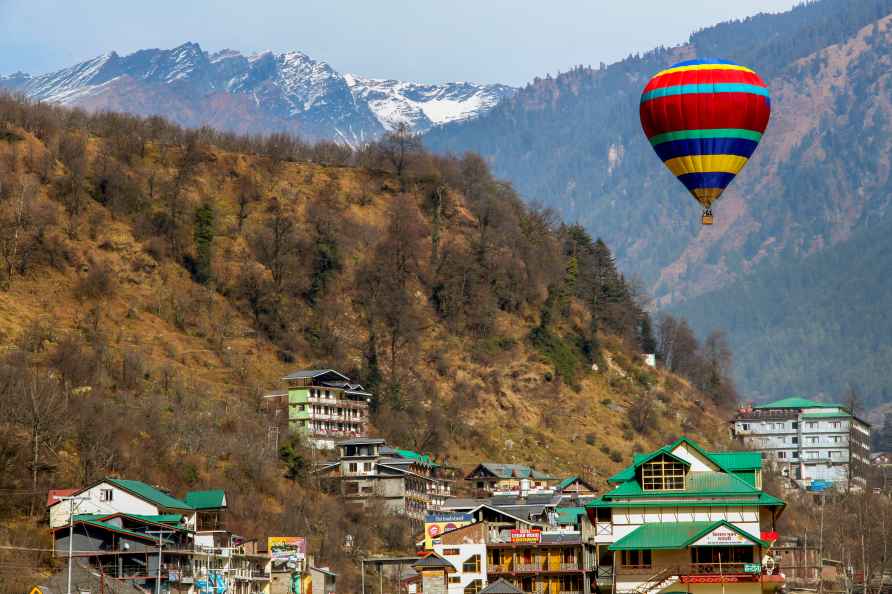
(464, 552)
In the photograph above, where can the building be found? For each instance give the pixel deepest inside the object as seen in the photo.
(138, 534)
(402, 481)
(490, 478)
(816, 444)
(682, 518)
(323, 580)
(535, 546)
(322, 404)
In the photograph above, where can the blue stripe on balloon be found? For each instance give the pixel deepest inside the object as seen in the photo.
(702, 61)
(706, 146)
(695, 88)
(709, 179)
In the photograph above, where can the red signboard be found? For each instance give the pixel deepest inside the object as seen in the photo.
(771, 536)
(525, 536)
(717, 579)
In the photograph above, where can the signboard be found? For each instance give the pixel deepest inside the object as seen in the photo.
(525, 536)
(717, 579)
(436, 524)
(723, 536)
(287, 552)
(752, 568)
(771, 536)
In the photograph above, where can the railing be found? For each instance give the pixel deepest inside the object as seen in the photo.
(566, 566)
(527, 567)
(713, 568)
(605, 572)
(604, 528)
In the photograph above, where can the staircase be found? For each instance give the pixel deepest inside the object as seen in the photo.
(658, 581)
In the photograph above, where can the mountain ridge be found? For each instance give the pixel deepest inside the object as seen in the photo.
(264, 92)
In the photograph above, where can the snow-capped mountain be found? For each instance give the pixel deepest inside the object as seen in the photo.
(264, 92)
(422, 106)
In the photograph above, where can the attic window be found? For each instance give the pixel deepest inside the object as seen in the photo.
(663, 474)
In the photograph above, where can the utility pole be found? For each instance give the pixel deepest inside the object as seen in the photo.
(160, 534)
(70, 499)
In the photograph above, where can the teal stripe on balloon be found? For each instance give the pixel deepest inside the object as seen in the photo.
(692, 89)
(707, 133)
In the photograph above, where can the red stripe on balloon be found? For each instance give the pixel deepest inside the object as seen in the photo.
(699, 111)
(704, 76)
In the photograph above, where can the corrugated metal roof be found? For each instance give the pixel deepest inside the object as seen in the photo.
(674, 536)
(149, 493)
(738, 460)
(312, 373)
(211, 499)
(796, 402)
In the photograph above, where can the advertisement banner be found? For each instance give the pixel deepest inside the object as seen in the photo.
(525, 536)
(723, 536)
(438, 523)
(287, 552)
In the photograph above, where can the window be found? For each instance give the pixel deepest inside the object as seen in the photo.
(811, 425)
(474, 587)
(795, 425)
(794, 454)
(367, 466)
(351, 467)
(451, 552)
(351, 488)
(781, 455)
(663, 474)
(837, 439)
(721, 555)
(636, 558)
(471, 565)
(454, 579)
(745, 426)
(835, 424)
(794, 440)
(106, 494)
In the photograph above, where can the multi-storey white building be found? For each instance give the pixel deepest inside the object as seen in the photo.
(816, 444)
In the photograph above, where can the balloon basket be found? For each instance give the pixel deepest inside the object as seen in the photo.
(706, 217)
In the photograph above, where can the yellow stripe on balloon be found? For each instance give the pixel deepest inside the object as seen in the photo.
(706, 164)
(705, 67)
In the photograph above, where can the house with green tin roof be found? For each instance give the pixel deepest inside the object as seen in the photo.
(683, 518)
(817, 445)
(115, 495)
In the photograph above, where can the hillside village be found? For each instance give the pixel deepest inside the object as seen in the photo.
(247, 365)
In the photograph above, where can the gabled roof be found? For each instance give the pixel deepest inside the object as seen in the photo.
(211, 499)
(796, 402)
(573, 479)
(313, 373)
(719, 459)
(53, 493)
(501, 586)
(148, 493)
(506, 471)
(674, 536)
(433, 561)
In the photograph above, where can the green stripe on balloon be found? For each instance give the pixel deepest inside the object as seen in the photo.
(711, 133)
(704, 88)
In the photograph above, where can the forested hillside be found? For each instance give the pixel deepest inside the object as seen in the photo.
(156, 281)
(820, 176)
(789, 321)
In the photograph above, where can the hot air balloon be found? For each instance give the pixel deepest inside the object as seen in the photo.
(704, 119)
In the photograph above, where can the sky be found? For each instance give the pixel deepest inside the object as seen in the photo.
(506, 41)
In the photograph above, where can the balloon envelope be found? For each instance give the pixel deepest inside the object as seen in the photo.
(704, 119)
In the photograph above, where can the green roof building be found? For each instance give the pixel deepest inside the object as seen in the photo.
(686, 519)
(818, 445)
